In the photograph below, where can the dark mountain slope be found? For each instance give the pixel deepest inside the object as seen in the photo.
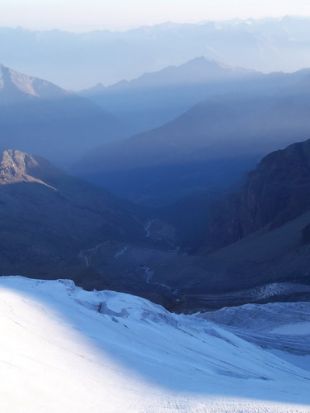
(256, 245)
(277, 191)
(48, 217)
(265, 266)
(259, 235)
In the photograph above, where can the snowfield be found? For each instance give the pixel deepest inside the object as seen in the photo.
(63, 350)
(280, 326)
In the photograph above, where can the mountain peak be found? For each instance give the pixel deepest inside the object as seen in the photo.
(199, 70)
(15, 85)
(211, 66)
(10, 80)
(204, 60)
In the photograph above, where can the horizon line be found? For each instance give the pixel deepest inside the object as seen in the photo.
(97, 28)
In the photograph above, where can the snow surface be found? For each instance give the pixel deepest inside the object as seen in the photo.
(283, 328)
(64, 350)
(297, 329)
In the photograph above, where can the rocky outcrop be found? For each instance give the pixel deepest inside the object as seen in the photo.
(277, 191)
(17, 166)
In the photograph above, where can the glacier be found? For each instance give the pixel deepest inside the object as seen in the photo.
(65, 349)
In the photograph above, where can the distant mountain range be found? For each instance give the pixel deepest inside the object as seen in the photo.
(40, 117)
(158, 97)
(196, 71)
(79, 60)
(210, 146)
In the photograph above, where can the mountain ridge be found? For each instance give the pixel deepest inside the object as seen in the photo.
(236, 125)
(83, 59)
(155, 98)
(19, 85)
(38, 116)
(197, 70)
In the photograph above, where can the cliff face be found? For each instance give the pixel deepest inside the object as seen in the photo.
(277, 191)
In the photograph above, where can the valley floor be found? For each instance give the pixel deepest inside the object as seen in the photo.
(63, 349)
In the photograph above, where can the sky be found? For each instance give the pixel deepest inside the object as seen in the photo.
(81, 15)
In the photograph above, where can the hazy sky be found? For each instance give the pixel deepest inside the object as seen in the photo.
(121, 14)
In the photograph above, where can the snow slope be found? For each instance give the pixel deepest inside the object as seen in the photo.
(63, 350)
(279, 326)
